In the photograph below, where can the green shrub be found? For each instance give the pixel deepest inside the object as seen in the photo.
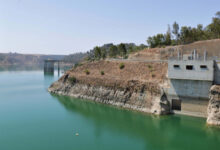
(102, 73)
(149, 66)
(87, 72)
(72, 79)
(153, 75)
(77, 65)
(122, 65)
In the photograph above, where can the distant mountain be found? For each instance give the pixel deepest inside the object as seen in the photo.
(26, 59)
(74, 58)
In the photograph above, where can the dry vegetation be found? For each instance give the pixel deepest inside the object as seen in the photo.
(211, 46)
(133, 74)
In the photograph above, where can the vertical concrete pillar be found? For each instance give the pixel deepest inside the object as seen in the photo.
(194, 54)
(49, 66)
(58, 68)
(205, 55)
(178, 55)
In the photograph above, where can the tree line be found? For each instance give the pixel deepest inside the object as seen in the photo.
(113, 51)
(184, 35)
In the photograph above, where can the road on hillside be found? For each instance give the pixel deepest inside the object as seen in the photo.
(135, 60)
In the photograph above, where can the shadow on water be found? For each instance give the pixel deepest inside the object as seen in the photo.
(166, 132)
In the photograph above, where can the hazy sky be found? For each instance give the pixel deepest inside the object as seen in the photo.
(68, 26)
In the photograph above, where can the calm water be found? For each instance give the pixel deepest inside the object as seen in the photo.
(32, 119)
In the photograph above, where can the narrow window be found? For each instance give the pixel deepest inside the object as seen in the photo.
(176, 104)
(203, 67)
(189, 67)
(176, 66)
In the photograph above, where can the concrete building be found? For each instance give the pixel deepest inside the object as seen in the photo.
(190, 79)
(49, 66)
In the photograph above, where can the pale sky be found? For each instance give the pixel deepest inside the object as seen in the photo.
(69, 26)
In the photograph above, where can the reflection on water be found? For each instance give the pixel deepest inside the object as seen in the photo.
(21, 67)
(49, 73)
(63, 68)
(167, 132)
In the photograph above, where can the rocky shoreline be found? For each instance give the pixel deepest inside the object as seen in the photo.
(139, 96)
(214, 106)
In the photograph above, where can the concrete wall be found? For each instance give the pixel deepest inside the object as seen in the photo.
(197, 73)
(217, 72)
(191, 106)
(196, 107)
(190, 88)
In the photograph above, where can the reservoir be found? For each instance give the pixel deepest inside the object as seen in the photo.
(33, 119)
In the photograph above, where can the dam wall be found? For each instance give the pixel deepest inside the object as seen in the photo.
(189, 83)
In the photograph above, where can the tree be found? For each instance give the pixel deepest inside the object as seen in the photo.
(157, 40)
(113, 51)
(151, 42)
(186, 35)
(122, 49)
(142, 46)
(176, 30)
(217, 14)
(214, 27)
(168, 36)
(104, 53)
(97, 52)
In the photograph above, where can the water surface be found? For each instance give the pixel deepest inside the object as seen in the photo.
(32, 119)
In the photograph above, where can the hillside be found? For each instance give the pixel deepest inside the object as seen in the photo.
(137, 71)
(211, 46)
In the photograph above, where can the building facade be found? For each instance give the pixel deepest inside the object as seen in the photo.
(190, 80)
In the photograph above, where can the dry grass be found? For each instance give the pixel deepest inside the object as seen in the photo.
(134, 75)
(212, 47)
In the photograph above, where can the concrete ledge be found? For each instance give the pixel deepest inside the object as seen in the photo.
(194, 114)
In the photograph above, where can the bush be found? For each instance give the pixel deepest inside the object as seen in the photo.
(149, 66)
(77, 65)
(153, 75)
(122, 65)
(102, 73)
(87, 71)
(72, 79)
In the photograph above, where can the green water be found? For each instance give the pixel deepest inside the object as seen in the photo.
(32, 119)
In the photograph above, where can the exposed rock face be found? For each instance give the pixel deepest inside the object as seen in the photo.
(136, 95)
(214, 106)
(161, 106)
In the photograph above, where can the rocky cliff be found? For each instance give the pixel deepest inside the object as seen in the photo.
(214, 106)
(118, 89)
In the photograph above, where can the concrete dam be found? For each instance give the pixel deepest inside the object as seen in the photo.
(190, 79)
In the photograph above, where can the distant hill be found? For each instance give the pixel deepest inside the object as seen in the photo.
(74, 58)
(26, 59)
